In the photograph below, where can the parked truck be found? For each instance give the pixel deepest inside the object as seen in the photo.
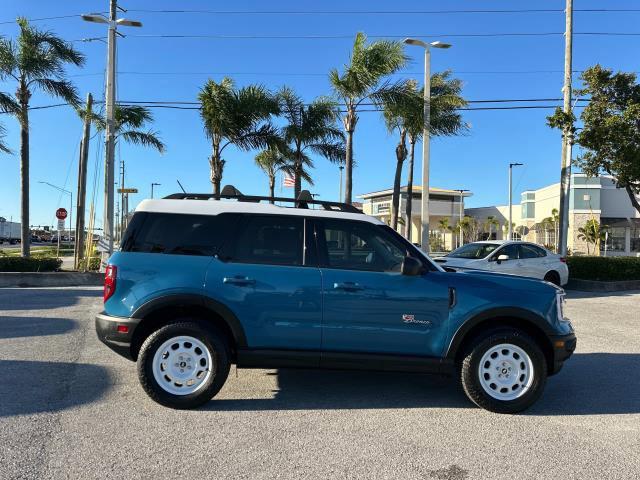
(9, 232)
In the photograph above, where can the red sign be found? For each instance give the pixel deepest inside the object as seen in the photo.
(61, 214)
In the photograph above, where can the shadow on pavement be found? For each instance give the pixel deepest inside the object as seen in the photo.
(593, 384)
(590, 384)
(580, 294)
(28, 387)
(16, 327)
(331, 389)
(44, 298)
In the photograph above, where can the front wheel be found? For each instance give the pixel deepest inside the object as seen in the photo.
(183, 365)
(504, 371)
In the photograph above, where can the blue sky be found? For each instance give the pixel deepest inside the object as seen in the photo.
(477, 161)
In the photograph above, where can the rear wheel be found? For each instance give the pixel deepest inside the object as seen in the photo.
(552, 277)
(183, 365)
(504, 371)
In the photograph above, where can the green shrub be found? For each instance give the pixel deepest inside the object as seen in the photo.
(30, 264)
(604, 268)
(94, 264)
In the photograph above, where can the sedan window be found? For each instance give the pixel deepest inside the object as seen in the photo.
(474, 250)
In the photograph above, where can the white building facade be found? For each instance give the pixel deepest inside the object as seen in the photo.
(590, 198)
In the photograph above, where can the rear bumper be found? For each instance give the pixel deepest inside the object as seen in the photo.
(118, 341)
(563, 348)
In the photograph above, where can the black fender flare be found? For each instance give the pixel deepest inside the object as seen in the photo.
(515, 313)
(185, 300)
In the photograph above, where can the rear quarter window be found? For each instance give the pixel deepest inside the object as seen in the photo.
(176, 234)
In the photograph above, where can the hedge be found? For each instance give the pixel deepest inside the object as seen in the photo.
(604, 268)
(29, 264)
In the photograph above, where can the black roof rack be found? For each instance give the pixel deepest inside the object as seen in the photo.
(230, 192)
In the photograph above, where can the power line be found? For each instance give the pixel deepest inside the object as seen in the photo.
(350, 36)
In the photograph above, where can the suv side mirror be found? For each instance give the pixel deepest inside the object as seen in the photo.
(411, 266)
(502, 258)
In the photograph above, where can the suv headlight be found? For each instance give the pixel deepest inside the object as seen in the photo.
(560, 303)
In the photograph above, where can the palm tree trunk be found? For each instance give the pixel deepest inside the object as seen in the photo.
(349, 122)
(272, 187)
(217, 166)
(25, 237)
(401, 154)
(297, 173)
(412, 147)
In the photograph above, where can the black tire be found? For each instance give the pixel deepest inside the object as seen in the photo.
(470, 372)
(212, 340)
(553, 277)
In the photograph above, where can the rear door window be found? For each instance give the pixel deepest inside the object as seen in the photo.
(176, 234)
(268, 239)
(510, 250)
(531, 251)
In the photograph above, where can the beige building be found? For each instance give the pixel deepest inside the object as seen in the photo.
(443, 204)
(596, 198)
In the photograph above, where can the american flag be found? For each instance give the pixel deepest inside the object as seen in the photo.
(288, 180)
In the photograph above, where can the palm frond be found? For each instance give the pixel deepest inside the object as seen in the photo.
(145, 139)
(59, 88)
(3, 146)
(132, 116)
(8, 104)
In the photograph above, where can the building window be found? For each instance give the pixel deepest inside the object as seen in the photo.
(615, 239)
(635, 238)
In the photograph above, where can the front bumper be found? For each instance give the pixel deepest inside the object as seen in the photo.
(563, 348)
(118, 341)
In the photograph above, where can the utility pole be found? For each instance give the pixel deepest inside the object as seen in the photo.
(82, 183)
(154, 185)
(110, 95)
(565, 163)
(510, 227)
(341, 167)
(122, 198)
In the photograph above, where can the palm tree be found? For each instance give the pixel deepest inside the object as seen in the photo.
(444, 225)
(309, 128)
(491, 221)
(35, 60)
(129, 120)
(364, 79)
(592, 233)
(271, 160)
(407, 117)
(445, 118)
(239, 117)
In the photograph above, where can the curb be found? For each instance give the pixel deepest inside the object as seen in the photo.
(50, 279)
(599, 286)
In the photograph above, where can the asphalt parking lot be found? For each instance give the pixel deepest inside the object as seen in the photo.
(70, 408)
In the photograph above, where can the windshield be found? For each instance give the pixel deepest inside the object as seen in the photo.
(474, 250)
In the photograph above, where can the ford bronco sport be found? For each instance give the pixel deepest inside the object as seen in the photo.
(204, 281)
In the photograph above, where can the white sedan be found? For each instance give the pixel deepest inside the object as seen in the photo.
(515, 258)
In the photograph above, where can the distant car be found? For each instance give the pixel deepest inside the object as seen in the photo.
(512, 257)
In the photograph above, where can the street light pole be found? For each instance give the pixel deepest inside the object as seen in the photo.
(424, 229)
(341, 167)
(152, 185)
(510, 228)
(110, 95)
(461, 235)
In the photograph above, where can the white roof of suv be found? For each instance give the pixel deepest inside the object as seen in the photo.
(215, 207)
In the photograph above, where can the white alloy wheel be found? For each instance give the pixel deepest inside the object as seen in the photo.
(505, 372)
(182, 365)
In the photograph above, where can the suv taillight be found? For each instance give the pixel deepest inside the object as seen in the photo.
(109, 281)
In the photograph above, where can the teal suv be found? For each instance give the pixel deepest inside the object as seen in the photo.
(202, 282)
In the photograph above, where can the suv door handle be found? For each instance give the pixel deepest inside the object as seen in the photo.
(238, 280)
(347, 286)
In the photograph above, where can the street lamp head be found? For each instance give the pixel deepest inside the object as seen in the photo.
(128, 23)
(439, 44)
(415, 41)
(94, 17)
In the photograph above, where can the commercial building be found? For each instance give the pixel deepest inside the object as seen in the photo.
(590, 198)
(443, 204)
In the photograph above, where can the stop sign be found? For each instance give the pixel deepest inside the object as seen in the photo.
(61, 214)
